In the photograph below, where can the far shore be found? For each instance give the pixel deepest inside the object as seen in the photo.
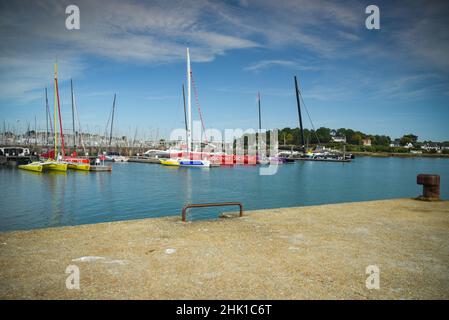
(398, 154)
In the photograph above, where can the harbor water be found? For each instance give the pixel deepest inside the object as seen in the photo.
(134, 190)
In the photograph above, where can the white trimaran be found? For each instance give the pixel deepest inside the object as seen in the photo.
(187, 162)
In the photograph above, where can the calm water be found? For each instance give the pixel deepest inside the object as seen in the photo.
(135, 190)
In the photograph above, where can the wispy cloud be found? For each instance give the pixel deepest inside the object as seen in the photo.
(156, 32)
(34, 34)
(266, 64)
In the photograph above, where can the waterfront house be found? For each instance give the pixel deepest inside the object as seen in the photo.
(339, 139)
(366, 142)
(429, 146)
(396, 143)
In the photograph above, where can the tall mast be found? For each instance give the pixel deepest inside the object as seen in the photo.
(59, 113)
(189, 106)
(54, 113)
(49, 123)
(73, 116)
(46, 114)
(35, 131)
(185, 114)
(260, 120)
(112, 120)
(299, 114)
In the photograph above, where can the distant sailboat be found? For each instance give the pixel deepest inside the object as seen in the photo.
(187, 162)
(112, 155)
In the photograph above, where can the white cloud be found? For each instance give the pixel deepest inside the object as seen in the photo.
(266, 64)
(155, 32)
(34, 34)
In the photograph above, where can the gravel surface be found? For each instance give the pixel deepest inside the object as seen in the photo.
(316, 252)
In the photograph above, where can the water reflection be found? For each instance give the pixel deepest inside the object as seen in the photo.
(55, 181)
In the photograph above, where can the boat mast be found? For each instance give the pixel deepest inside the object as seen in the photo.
(260, 121)
(46, 115)
(49, 123)
(55, 131)
(299, 114)
(112, 120)
(189, 106)
(185, 114)
(35, 131)
(59, 113)
(73, 116)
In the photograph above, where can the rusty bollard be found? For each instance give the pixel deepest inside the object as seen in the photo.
(431, 186)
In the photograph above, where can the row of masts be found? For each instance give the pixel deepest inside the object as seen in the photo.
(52, 125)
(187, 112)
(298, 103)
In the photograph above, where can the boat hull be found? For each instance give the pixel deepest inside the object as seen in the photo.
(79, 166)
(55, 166)
(35, 167)
(194, 163)
(169, 162)
(121, 159)
(100, 168)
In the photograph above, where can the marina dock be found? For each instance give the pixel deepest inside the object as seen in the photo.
(314, 252)
(144, 160)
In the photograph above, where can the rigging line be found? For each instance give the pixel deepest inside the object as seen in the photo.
(197, 102)
(107, 124)
(48, 110)
(308, 115)
(79, 125)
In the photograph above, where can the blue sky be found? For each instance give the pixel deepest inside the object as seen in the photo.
(390, 81)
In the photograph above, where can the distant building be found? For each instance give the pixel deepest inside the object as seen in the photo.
(396, 143)
(431, 146)
(339, 139)
(366, 142)
(409, 145)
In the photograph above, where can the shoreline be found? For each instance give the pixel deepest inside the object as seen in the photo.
(313, 252)
(399, 155)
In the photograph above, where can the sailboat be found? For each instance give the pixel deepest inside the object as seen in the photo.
(52, 164)
(57, 164)
(188, 162)
(113, 155)
(318, 154)
(33, 166)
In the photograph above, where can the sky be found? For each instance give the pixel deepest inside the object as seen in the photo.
(391, 81)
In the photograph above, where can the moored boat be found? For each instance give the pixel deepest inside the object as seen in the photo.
(194, 163)
(100, 168)
(120, 159)
(34, 166)
(54, 165)
(78, 166)
(169, 162)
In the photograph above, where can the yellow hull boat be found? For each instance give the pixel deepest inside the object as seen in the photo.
(34, 166)
(169, 162)
(79, 166)
(56, 166)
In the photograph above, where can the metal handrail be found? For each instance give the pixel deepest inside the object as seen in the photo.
(217, 204)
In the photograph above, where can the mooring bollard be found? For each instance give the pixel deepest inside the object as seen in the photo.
(431, 186)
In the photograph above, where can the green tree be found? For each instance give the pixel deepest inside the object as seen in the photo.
(408, 138)
(324, 134)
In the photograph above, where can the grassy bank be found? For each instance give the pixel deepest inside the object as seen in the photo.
(397, 154)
